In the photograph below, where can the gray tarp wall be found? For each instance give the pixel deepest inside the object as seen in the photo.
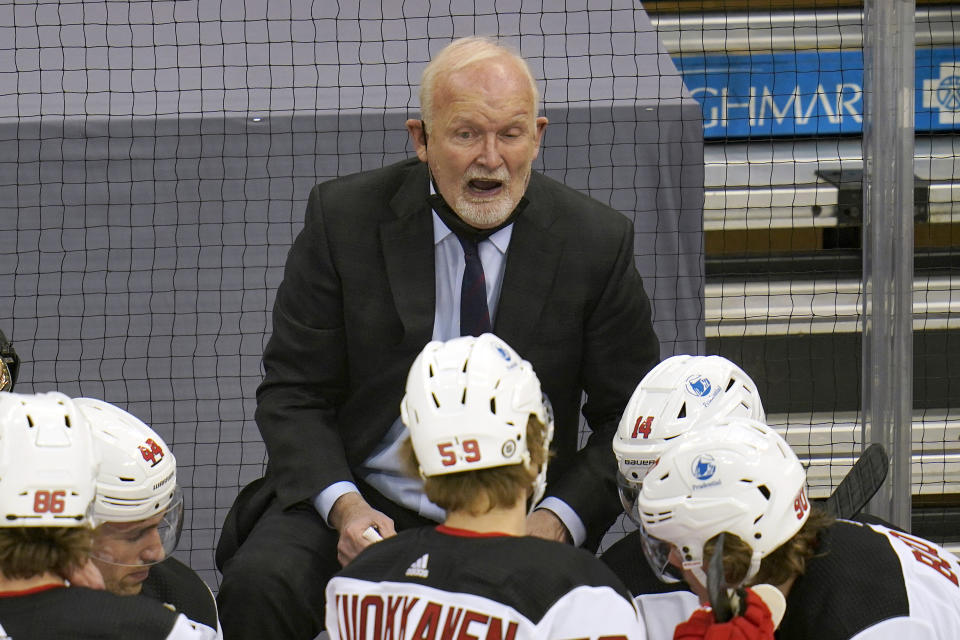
(155, 159)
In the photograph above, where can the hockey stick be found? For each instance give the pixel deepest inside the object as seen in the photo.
(860, 484)
(717, 584)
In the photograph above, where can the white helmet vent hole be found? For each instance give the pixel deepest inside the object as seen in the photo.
(729, 384)
(29, 421)
(463, 397)
(66, 421)
(127, 479)
(435, 401)
(493, 406)
(683, 411)
(764, 490)
(430, 369)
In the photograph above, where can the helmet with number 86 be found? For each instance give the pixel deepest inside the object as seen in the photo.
(467, 404)
(738, 476)
(48, 465)
(677, 395)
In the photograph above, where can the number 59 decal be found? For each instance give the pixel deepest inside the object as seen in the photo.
(448, 454)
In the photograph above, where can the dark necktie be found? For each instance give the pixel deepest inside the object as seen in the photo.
(474, 314)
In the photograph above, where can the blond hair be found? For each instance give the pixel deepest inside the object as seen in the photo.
(459, 55)
(483, 490)
(26, 552)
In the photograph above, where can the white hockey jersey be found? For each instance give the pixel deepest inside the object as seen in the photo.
(865, 582)
(441, 583)
(871, 582)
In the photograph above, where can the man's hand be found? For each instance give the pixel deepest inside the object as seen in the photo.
(87, 576)
(545, 524)
(351, 516)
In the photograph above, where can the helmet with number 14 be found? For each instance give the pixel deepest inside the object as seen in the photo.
(677, 395)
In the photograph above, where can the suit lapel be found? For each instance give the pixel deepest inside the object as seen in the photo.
(407, 245)
(532, 263)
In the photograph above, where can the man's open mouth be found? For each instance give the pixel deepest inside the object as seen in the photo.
(481, 186)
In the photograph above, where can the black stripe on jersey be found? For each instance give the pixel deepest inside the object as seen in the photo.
(79, 613)
(853, 582)
(528, 574)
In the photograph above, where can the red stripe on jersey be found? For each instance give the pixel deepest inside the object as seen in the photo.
(467, 533)
(30, 591)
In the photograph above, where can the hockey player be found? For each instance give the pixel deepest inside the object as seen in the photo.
(480, 431)
(139, 511)
(842, 580)
(9, 364)
(677, 395)
(48, 468)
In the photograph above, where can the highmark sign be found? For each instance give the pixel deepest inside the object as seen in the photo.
(806, 93)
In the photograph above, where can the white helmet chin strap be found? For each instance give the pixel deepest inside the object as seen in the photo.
(754, 567)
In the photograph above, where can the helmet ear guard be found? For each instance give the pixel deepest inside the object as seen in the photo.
(48, 464)
(737, 476)
(677, 395)
(467, 404)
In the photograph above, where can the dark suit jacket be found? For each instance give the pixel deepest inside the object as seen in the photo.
(356, 306)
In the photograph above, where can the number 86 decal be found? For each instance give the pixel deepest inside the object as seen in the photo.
(49, 501)
(448, 454)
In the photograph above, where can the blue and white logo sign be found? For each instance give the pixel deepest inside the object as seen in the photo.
(943, 93)
(503, 353)
(698, 385)
(704, 467)
(810, 92)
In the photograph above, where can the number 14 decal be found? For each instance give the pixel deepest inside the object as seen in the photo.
(448, 454)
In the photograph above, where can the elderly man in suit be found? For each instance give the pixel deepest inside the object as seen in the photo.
(462, 239)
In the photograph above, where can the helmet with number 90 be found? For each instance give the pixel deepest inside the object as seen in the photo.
(48, 465)
(467, 404)
(738, 476)
(678, 394)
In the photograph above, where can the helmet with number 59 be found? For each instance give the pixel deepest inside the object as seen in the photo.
(467, 404)
(48, 465)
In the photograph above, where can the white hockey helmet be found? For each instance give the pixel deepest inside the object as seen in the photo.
(678, 394)
(138, 472)
(738, 476)
(467, 404)
(48, 465)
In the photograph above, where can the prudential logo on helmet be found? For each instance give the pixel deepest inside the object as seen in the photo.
(704, 467)
(698, 385)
